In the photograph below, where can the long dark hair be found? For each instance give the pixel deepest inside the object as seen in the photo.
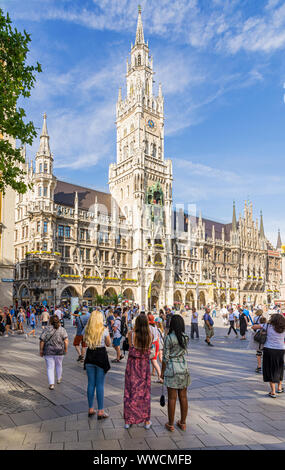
(142, 332)
(278, 322)
(177, 326)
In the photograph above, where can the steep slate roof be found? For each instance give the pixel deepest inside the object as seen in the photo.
(65, 194)
(194, 220)
(218, 229)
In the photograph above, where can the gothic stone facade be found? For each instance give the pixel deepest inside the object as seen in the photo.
(72, 241)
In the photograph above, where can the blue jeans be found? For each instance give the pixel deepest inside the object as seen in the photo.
(96, 377)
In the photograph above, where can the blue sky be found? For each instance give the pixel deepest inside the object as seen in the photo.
(222, 68)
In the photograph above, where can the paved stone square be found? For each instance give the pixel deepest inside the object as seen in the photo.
(228, 403)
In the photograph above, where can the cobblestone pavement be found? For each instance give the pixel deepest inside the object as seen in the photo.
(16, 396)
(228, 403)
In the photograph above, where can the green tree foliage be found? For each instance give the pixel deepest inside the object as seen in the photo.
(107, 300)
(16, 81)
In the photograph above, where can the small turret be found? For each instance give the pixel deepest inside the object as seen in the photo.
(279, 241)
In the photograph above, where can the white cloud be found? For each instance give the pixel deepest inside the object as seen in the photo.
(200, 182)
(206, 171)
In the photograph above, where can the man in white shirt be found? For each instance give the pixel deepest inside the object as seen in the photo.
(194, 324)
(236, 315)
(117, 336)
(224, 313)
(59, 313)
(232, 322)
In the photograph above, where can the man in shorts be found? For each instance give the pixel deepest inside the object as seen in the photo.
(45, 318)
(32, 324)
(81, 321)
(21, 318)
(209, 326)
(117, 336)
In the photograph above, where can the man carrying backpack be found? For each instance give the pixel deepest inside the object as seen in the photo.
(81, 320)
(209, 326)
(117, 336)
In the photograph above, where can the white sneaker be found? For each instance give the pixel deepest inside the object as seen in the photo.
(127, 426)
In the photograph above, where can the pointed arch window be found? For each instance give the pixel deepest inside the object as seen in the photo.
(132, 148)
(126, 151)
(139, 59)
(146, 147)
(147, 87)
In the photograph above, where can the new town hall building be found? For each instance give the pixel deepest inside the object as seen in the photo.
(72, 241)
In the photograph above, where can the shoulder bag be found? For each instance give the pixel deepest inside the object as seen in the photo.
(261, 336)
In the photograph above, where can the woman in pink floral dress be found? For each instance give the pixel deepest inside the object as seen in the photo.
(137, 375)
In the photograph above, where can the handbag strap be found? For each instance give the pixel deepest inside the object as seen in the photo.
(50, 337)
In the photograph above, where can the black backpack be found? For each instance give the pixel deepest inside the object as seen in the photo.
(124, 328)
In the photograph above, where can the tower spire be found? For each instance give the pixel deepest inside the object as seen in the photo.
(261, 230)
(139, 33)
(234, 220)
(44, 139)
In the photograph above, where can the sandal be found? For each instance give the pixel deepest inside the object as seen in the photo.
(169, 427)
(272, 395)
(122, 357)
(181, 426)
(91, 414)
(280, 391)
(104, 416)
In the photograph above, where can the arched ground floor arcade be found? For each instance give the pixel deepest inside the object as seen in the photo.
(151, 295)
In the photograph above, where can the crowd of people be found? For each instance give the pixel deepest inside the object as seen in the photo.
(155, 344)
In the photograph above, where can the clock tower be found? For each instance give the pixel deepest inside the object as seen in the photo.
(141, 179)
